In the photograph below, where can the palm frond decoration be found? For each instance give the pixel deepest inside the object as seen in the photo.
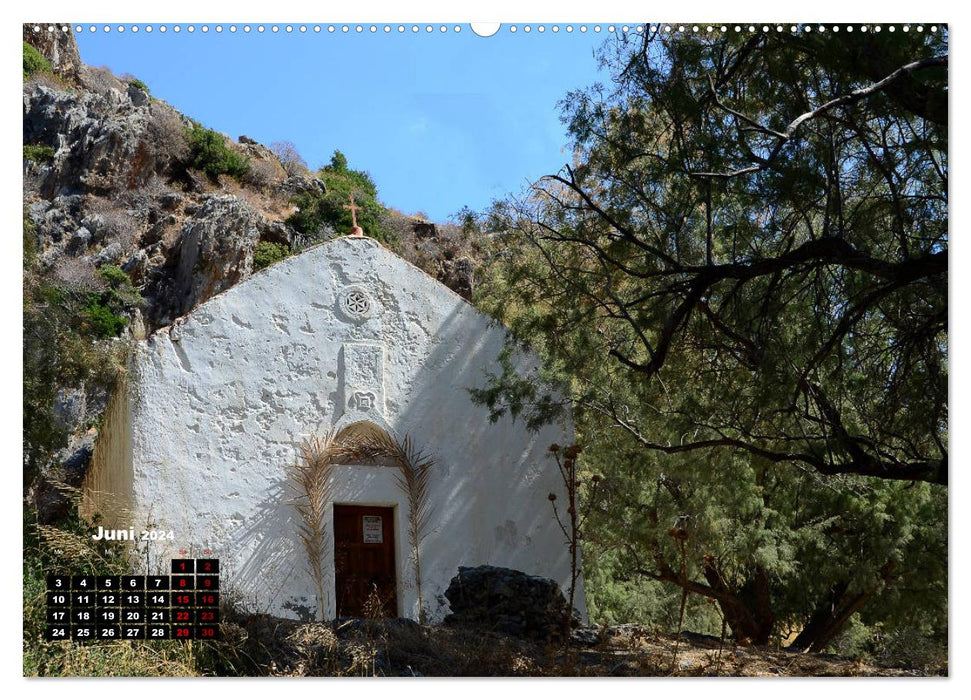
(413, 477)
(310, 477)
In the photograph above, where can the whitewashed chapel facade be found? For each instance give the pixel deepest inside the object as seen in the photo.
(346, 335)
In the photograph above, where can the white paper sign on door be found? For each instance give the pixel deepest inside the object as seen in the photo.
(373, 530)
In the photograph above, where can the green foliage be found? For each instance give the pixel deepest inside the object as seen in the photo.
(211, 155)
(102, 321)
(115, 277)
(338, 163)
(317, 210)
(135, 82)
(724, 303)
(63, 331)
(38, 153)
(267, 253)
(468, 220)
(105, 311)
(34, 62)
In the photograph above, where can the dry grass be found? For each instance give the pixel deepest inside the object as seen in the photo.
(404, 648)
(77, 275)
(119, 226)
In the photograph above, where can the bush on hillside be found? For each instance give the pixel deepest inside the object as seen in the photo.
(317, 209)
(38, 153)
(267, 253)
(211, 155)
(34, 62)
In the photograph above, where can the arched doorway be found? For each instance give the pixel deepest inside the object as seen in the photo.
(369, 509)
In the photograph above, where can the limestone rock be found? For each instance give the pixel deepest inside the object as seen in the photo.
(80, 240)
(138, 96)
(508, 601)
(111, 253)
(57, 46)
(217, 248)
(136, 266)
(255, 149)
(301, 184)
(69, 408)
(56, 220)
(424, 229)
(103, 141)
(585, 636)
(458, 275)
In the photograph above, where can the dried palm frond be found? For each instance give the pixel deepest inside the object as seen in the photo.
(311, 479)
(413, 480)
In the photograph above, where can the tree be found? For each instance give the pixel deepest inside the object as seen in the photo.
(741, 280)
(762, 208)
(330, 207)
(291, 160)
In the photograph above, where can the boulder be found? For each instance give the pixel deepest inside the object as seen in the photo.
(80, 240)
(424, 229)
(301, 184)
(508, 601)
(458, 275)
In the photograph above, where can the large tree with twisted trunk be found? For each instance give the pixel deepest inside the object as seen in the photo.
(746, 259)
(771, 212)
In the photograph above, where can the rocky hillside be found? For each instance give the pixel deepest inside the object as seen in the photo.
(124, 197)
(122, 186)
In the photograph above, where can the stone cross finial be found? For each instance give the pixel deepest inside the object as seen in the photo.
(355, 229)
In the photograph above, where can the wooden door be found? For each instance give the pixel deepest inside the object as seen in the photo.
(364, 560)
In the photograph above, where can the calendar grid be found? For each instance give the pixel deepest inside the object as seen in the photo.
(182, 605)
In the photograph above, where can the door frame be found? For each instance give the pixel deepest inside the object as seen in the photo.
(366, 485)
(394, 551)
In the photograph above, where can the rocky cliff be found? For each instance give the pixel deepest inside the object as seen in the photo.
(111, 179)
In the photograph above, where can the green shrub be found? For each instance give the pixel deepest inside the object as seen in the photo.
(34, 62)
(121, 294)
(102, 321)
(268, 253)
(135, 82)
(113, 275)
(211, 155)
(316, 210)
(38, 153)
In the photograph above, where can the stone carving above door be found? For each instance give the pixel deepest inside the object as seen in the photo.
(362, 381)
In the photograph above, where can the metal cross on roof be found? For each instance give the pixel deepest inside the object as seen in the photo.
(355, 229)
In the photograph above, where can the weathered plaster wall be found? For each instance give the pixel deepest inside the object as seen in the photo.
(346, 331)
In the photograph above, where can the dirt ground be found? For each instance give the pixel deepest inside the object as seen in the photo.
(356, 647)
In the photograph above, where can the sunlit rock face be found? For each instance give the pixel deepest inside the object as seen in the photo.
(345, 334)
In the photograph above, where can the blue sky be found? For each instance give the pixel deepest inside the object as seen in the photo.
(439, 120)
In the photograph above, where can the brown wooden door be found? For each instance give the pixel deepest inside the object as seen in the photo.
(364, 561)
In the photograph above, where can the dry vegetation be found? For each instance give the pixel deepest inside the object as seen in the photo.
(361, 647)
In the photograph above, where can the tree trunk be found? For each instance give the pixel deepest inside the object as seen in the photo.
(829, 618)
(748, 611)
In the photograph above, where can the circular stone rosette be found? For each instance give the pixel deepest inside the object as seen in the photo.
(356, 303)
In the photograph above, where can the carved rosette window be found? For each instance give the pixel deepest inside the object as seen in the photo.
(356, 303)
